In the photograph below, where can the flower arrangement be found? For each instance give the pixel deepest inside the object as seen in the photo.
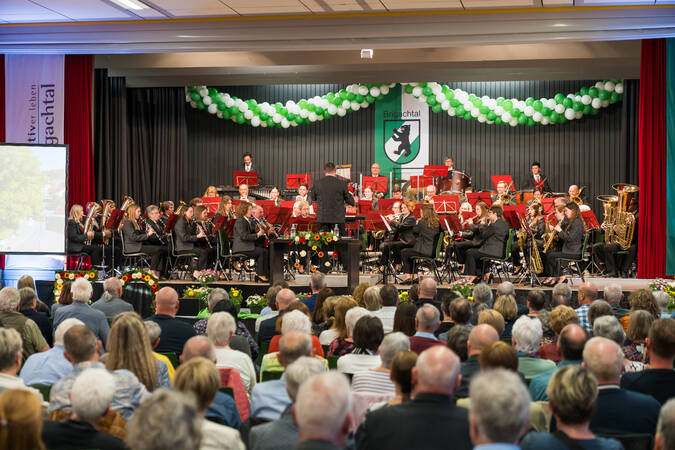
(236, 297)
(259, 301)
(135, 276)
(206, 276)
(62, 276)
(403, 296)
(667, 287)
(313, 240)
(462, 286)
(201, 293)
(301, 296)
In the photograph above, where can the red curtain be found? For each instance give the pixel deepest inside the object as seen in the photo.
(79, 72)
(652, 160)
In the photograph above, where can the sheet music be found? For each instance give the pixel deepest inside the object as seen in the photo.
(386, 223)
(345, 172)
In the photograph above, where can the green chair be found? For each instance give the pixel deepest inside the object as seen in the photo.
(578, 260)
(431, 261)
(502, 261)
(332, 362)
(262, 351)
(227, 390)
(44, 389)
(325, 349)
(175, 362)
(271, 375)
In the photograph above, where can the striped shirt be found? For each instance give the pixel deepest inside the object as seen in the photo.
(373, 381)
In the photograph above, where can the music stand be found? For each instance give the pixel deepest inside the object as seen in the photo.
(113, 223)
(266, 204)
(475, 197)
(466, 215)
(386, 204)
(365, 206)
(247, 178)
(446, 204)
(211, 203)
(377, 184)
(548, 205)
(171, 223)
(511, 214)
(421, 181)
(505, 178)
(294, 180)
(590, 220)
(303, 224)
(435, 171)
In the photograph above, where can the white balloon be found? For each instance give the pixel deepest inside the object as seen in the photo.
(276, 118)
(341, 112)
(319, 117)
(482, 118)
(384, 90)
(577, 98)
(506, 117)
(445, 105)
(346, 104)
(238, 101)
(255, 121)
(263, 124)
(492, 104)
(436, 88)
(586, 99)
(451, 111)
(212, 108)
(219, 114)
(618, 88)
(289, 104)
(599, 85)
(490, 122)
(537, 116)
(499, 110)
(609, 86)
(375, 91)
(207, 100)
(468, 106)
(596, 103)
(294, 123)
(332, 109)
(545, 120)
(285, 123)
(550, 103)
(304, 113)
(513, 122)
(485, 99)
(569, 114)
(363, 90)
(193, 104)
(605, 103)
(440, 98)
(521, 105)
(528, 111)
(324, 103)
(578, 114)
(475, 112)
(364, 104)
(243, 107)
(422, 98)
(391, 85)
(355, 106)
(203, 92)
(188, 98)
(559, 108)
(312, 117)
(248, 114)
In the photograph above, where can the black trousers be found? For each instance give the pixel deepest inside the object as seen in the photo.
(157, 255)
(94, 252)
(262, 259)
(473, 256)
(392, 251)
(205, 256)
(608, 254)
(551, 266)
(407, 255)
(461, 247)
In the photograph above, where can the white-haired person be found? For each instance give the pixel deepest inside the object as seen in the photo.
(378, 379)
(427, 319)
(49, 367)
(572, 395)
(200, 378)
(283, 433)
(111, 303)
(32, 339)
(90, 396)
(96, 321)
(526, 339)
(500, 409)
(609, 327)
(342, 346)
(10, 362)
(368, 335)
(300, 320)
(665, 429)
(220, 329)
(322, 412)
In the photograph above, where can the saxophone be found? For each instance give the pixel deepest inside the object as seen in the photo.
(550, 237)
(93, 208)
(535, 258)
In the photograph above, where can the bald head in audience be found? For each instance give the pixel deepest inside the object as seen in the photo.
(293, 345)
(587, 293)
(604, 359)
(480, 337)
(198, 346)
(166, 301)
(436, 371)
(427, 288)
(284, 299)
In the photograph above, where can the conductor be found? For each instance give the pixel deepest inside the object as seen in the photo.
(330, 193)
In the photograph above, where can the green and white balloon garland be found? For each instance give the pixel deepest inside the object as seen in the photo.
(440, 98)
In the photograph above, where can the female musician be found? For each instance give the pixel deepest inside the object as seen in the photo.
(303, 208)
(225, 207)
(402, 234)
(204, 223)
(571, 234)
(166, 209)
(246, 241)
(426, 234)
(211, 192)
(135, 240)
(472, 237)
(274, 196)
(493, 242)
(369, 195)
(537, 225)
(77, 239)
(538, 195)
(186, 234)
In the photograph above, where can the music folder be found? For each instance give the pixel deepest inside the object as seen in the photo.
(590, 220)
(294, 180)
(115, 219)
(436, 171)
(248, 178)
(421, 181)
(377, 184)
(444, 204)
(171, 223)
(475, 197)
(386, 223)
(511, 214)
(505, 178)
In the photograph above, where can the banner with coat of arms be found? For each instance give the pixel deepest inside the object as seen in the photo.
(401, 134)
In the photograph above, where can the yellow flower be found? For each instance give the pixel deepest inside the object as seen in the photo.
(314, 247)
(59, 282)
(191, 294)
(92, 274)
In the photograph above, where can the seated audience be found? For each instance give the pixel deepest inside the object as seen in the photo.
(28, 307)
(617, 411)
(404, 318)
(154, 332)
(368, 335)
(610, 328)
(268, 326)
(357, 295)
(319, 316)
(270, 310)
(21, 411)
(91, 395)
(659, 379)
(561, 295)
(483, 299)
(220, 330)
(10, 362)
(300, 321)
(662, 299)
(82, 350)
(427, 294)
(378, 379)
(323, 412)
(598, 309)
(200, 378)
(111, 303)
(459, 312)
(49, 367)
(638, 329)
(447, 322)
(571, 346)
(641, 299)
(282, 433)
(665, 429)
(28, 281)
(544, 317)
(389, 301)
(500, 409)
(338, 328)
(572, 395)
(269, 399)
(458, 337)
(507, 307)
(65, 299)
(427, 319)
(10, 317)
(480, 337)
(371, 299)
(492, 318)
(166, 420)
(613, 294)
(435, 378)
(401, 375)
(175, 332)
(341, 346)
(536, 301)
(526, 339)
(129, 348)
(586, 294)
(81, 291)
(499, 354)
(561, 316)
(316, 283)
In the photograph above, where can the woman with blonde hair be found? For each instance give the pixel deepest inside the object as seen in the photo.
(638, 330)
(426, 232)
(507, 307)
(135, 240)
(20, 420)
(129, 348)
(77, 238)
(225, 207)
(211, 192)
(339, 326)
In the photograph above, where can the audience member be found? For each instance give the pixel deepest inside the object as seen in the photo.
(458, 338)
(427, 294)
(500, 409)
(175, 332)
(526, 339)
(154, 332)
(571, 346)
(28, 281)
(536, 301)
(561, 316)
(372, 299)
(296, 318)
(339, 327)
(91, 395)
(317, 282)
(492, 318)
(10, 317)
(389, 301)
(613, 294)
(638, 328)
(659, 379)
(10, 362)
(378, 379)
(662, 299)
(268, 326)
(21, 416)
(460, 314)
(498, 354)
(111, 303)
(586, 294)
(166, 420)
(200, 378)
(572, 395)
(81, 291)
(49, 367)
(505, 288)
(129, 348)
(341, 346)
(447, 322)
(368, 335)
(64, 299)
(222, 410)
(82, 349)
(609, 327)
(357, 295)
(401, 375)
(282, 433)
(617, 411)
(220, 330)
(665, 429)
(427, 319)
(597, 309)
(480, 337)
(544, 318)
(561, 295)
(435, 378)
(322, 412)
(270, 310)
(483, 299)
(242, 339)
(507, 307)
(28, 307)
(641, 299)
(319, 318)
(404, 318)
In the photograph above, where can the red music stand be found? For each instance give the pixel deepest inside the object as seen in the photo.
(365, 206)
(475, 197)
(417, 212)
(248, 178)
(171, 223)
(505, 178)
(294, 180)
(265, 204)
(452, 221)
(218, 225)
(280, 216)
(304, 224)
(387, 203)
(377, 184)
(115, 219)
(548, 205)
(590, 220)
(373, 222)
(445, 204)
(211, 203)
(421, 181)
(466, 215)
(511, 214)
(229, 227)
(436, 171)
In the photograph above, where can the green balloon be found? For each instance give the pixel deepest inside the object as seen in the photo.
(484, 109)
(436, 108)
(603, 95)
(577, 106)
(546, 111)
(562, 119)
(455, 103)
(270, 123)
(460, 110)
(529, 101)
(522, 119)
(195, 97)
(278, 106)
(554, 117)
(613, 97)
(507, 105)
(530, 122)
(500, 101)
(408, 89)
(467, 116)
(446, 89)
(370, 98)
(422, 84)
(559, 98)
(537, 105)
(477, 102)
(431, 100)
(311, 107)
(221, 106)
(240, 118)
(264, 116)
(319, 111)
(212, 91)
(515, 112)
(450, 94)
(303, 103)
(593, 92)
(192, 89)
(200, 104)
(351, 96)
(251, 102)
(583, 91)
(594, 112)
(427, 91)
(587, 109)
(491, 116)
(498, 121)
(291, 117)
(360, 98)
(337, 101)
(568, 102)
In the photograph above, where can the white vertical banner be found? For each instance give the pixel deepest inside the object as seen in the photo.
(34, 98)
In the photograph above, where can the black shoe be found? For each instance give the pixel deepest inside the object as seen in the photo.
(257, 278)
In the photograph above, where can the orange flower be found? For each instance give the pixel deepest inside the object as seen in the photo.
(317, 237)
(296, 265)
(313, 268)
(328, 239)
(320, 254)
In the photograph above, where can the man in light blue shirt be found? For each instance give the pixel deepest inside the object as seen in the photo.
(49, 367)
(79, 309)
(586, 294)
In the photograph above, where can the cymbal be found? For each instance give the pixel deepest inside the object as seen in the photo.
(399, 181)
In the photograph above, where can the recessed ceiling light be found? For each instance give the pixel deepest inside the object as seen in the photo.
(366, 53)
(560, 25)
(130, 4)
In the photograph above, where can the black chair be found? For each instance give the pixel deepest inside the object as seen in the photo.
(226, 257)
(137, 260)
(432, 262)
(497, 263)
(633, 441)
(175, 258)
(577, 261)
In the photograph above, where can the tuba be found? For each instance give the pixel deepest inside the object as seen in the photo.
(624, 221)
(108, 207)
(609, 204)
(126, 203)
(93, 209)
